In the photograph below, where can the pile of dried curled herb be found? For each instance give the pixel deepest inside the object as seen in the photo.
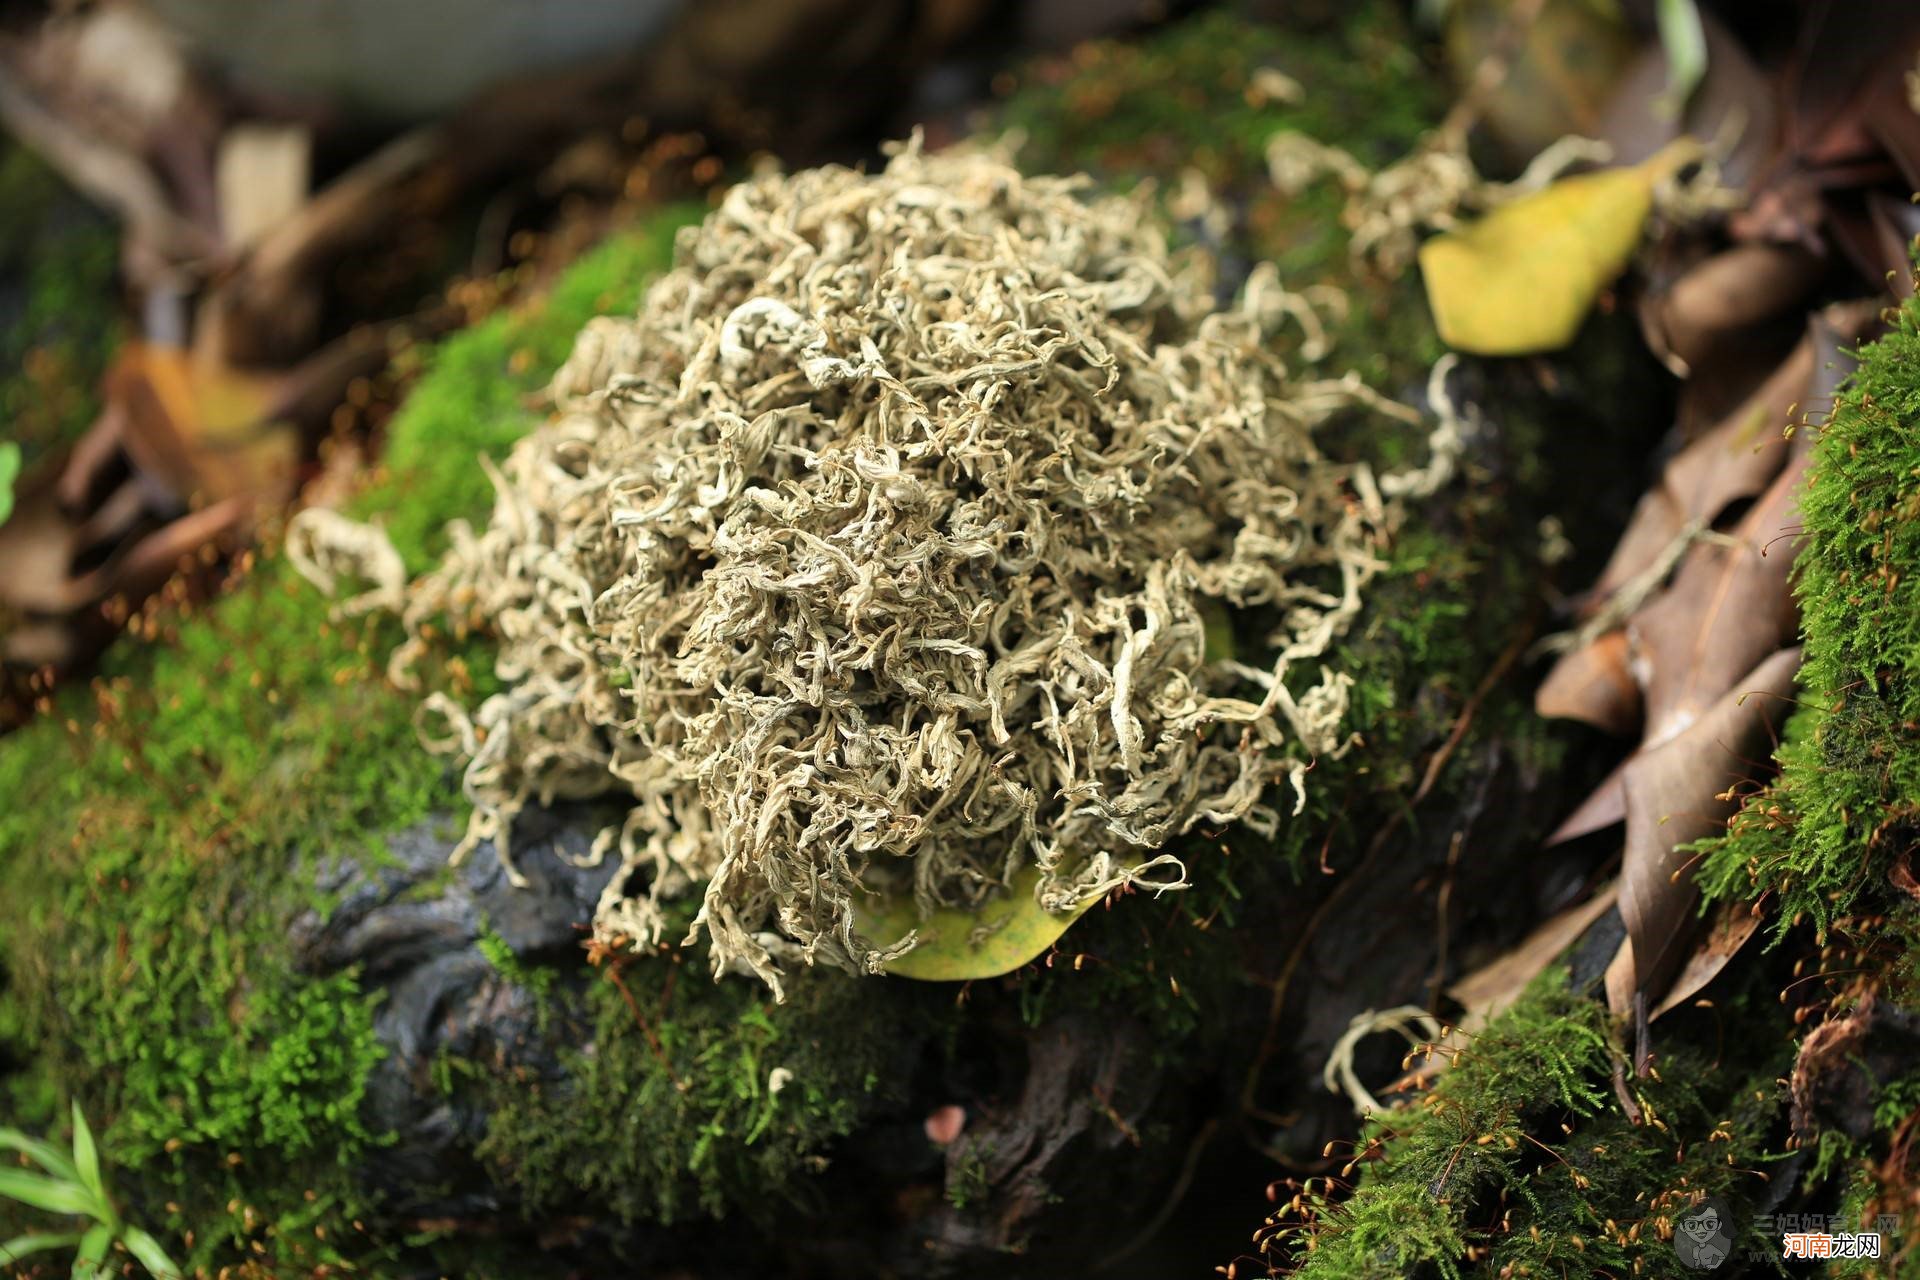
(876, 554)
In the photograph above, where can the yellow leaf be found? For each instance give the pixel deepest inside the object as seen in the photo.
(956, 945)
(1522, 278)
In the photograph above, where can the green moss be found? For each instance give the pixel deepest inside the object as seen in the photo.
(163, 825)
(1464, 1141)
(1192, 97)
(59, 306)
(701, 1098)
(476, 397)
(971, 1183)
(538, 979)
(160, 844)
(1518, 1162)
(1847, 801)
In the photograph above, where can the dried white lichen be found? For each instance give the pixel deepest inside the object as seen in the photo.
(876, 551)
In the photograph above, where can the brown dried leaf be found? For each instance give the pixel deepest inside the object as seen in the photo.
(1618, 980)
(1606, 806)
(1710, 710)
(1732, 924)
(1788, 210)
(1678, 792)
(1846, 122)
(1852, 63)
(1488, 990)
(1594, 685)
(132, 550)
(200, 427)
(1876, 236)
(1734, 460)
(1713, 305)
(1734, 97)
(1729, 606)
(38, 546)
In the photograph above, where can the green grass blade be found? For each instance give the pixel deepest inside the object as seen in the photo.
(88, 1263)
(1685, 41)
(52, 1194)
(151, 1255)
(13, 1250)
(44, 1154)
(9, 470)
(86, 1156)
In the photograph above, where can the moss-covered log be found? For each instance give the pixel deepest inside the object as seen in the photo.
(232, 939)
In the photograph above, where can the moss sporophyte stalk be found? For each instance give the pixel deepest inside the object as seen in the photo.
(875, 555)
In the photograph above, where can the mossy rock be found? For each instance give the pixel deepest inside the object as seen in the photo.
(188, 827)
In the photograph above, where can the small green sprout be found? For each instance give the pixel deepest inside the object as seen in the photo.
(73, 1185)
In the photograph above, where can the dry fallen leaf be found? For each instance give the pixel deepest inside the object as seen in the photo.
(1523, 278)
(1847, 124)
(1877, 235)
(201, 427)
(1488, 990)
(1706, 652)
(1728, 930)
(1728, 607)
(1593, 684)
(1714, 306)
(1728, 604)
(1734, 100)
(1606, 806)
(1732, 461)
(1681, 791)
